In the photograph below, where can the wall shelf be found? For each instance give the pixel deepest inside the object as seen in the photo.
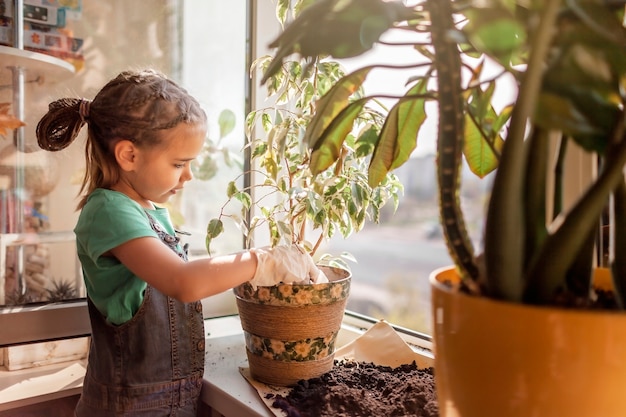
(50, 68)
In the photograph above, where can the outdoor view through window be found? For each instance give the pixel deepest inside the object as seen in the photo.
(396, 257)
(187, 40)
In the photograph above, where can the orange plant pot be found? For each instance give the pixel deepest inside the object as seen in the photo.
(496, 359)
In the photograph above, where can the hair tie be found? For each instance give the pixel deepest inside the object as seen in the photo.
(83, 109)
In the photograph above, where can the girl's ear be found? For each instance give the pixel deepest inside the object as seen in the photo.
(126, 154)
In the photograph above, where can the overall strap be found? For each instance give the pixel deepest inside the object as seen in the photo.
(169, 240)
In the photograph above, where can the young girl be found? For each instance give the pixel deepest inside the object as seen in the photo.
(147, 345)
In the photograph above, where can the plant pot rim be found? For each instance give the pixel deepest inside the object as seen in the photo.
(311, 284)
(336, 271)
(336, 290)
(602, 275)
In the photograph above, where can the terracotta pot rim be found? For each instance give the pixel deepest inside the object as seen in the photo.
(435, 283)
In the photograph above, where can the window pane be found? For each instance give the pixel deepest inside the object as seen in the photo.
(172, 36)
(395, 258)
(216, 74)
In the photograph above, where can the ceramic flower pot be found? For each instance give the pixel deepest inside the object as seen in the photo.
(495, 359)
(290, 330)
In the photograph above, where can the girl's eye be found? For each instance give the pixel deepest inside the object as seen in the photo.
(179, 166)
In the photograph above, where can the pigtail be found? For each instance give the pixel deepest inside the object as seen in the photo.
(62, 123)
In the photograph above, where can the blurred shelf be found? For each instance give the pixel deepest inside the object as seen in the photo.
(19, 239)
(36, 64)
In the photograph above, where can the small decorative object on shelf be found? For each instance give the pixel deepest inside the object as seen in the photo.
(8, 122)
(45, 29)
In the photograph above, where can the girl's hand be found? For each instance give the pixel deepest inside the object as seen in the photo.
(285, 264)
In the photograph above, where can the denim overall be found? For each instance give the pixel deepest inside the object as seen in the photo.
(151, 365)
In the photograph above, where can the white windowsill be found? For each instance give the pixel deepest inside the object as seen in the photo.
(225, 390)
(35, 385)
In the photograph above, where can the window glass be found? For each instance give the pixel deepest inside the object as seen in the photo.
(188, 41)
(390, 278)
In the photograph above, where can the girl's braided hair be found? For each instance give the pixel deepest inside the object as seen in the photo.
(135, 105)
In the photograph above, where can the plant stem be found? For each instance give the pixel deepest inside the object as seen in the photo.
(504, 246)
(563, 243)
(534, 202)
(618, 264)
(450, 141)
(557, 201)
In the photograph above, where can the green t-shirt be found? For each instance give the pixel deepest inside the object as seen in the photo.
(108, 219)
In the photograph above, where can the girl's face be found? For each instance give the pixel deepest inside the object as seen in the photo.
(159, 173)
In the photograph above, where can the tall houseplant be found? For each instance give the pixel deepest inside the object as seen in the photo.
(568, 61)
(290, 330)
(292, 199)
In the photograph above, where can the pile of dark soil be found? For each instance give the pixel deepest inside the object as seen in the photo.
(353, 389)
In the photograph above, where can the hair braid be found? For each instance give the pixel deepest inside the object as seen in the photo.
(140, 101)
(135, 105)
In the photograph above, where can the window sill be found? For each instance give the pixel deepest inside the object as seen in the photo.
(225, 390)
(36, 385)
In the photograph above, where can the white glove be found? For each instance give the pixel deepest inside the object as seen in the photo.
(285, 264)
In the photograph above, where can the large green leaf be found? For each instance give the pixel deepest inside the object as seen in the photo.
(480, 157)
(560, 113)
(411, 117)
(331, 104)
(496, 32)
(398, 137)
(328, 147)
(483, 140)
(483, 127)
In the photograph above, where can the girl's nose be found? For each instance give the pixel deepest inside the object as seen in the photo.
(187, 175)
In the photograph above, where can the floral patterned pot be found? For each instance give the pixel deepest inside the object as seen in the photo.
(290, 330)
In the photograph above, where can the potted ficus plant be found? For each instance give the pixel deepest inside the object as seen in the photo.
(290, 330)
(519, 328)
